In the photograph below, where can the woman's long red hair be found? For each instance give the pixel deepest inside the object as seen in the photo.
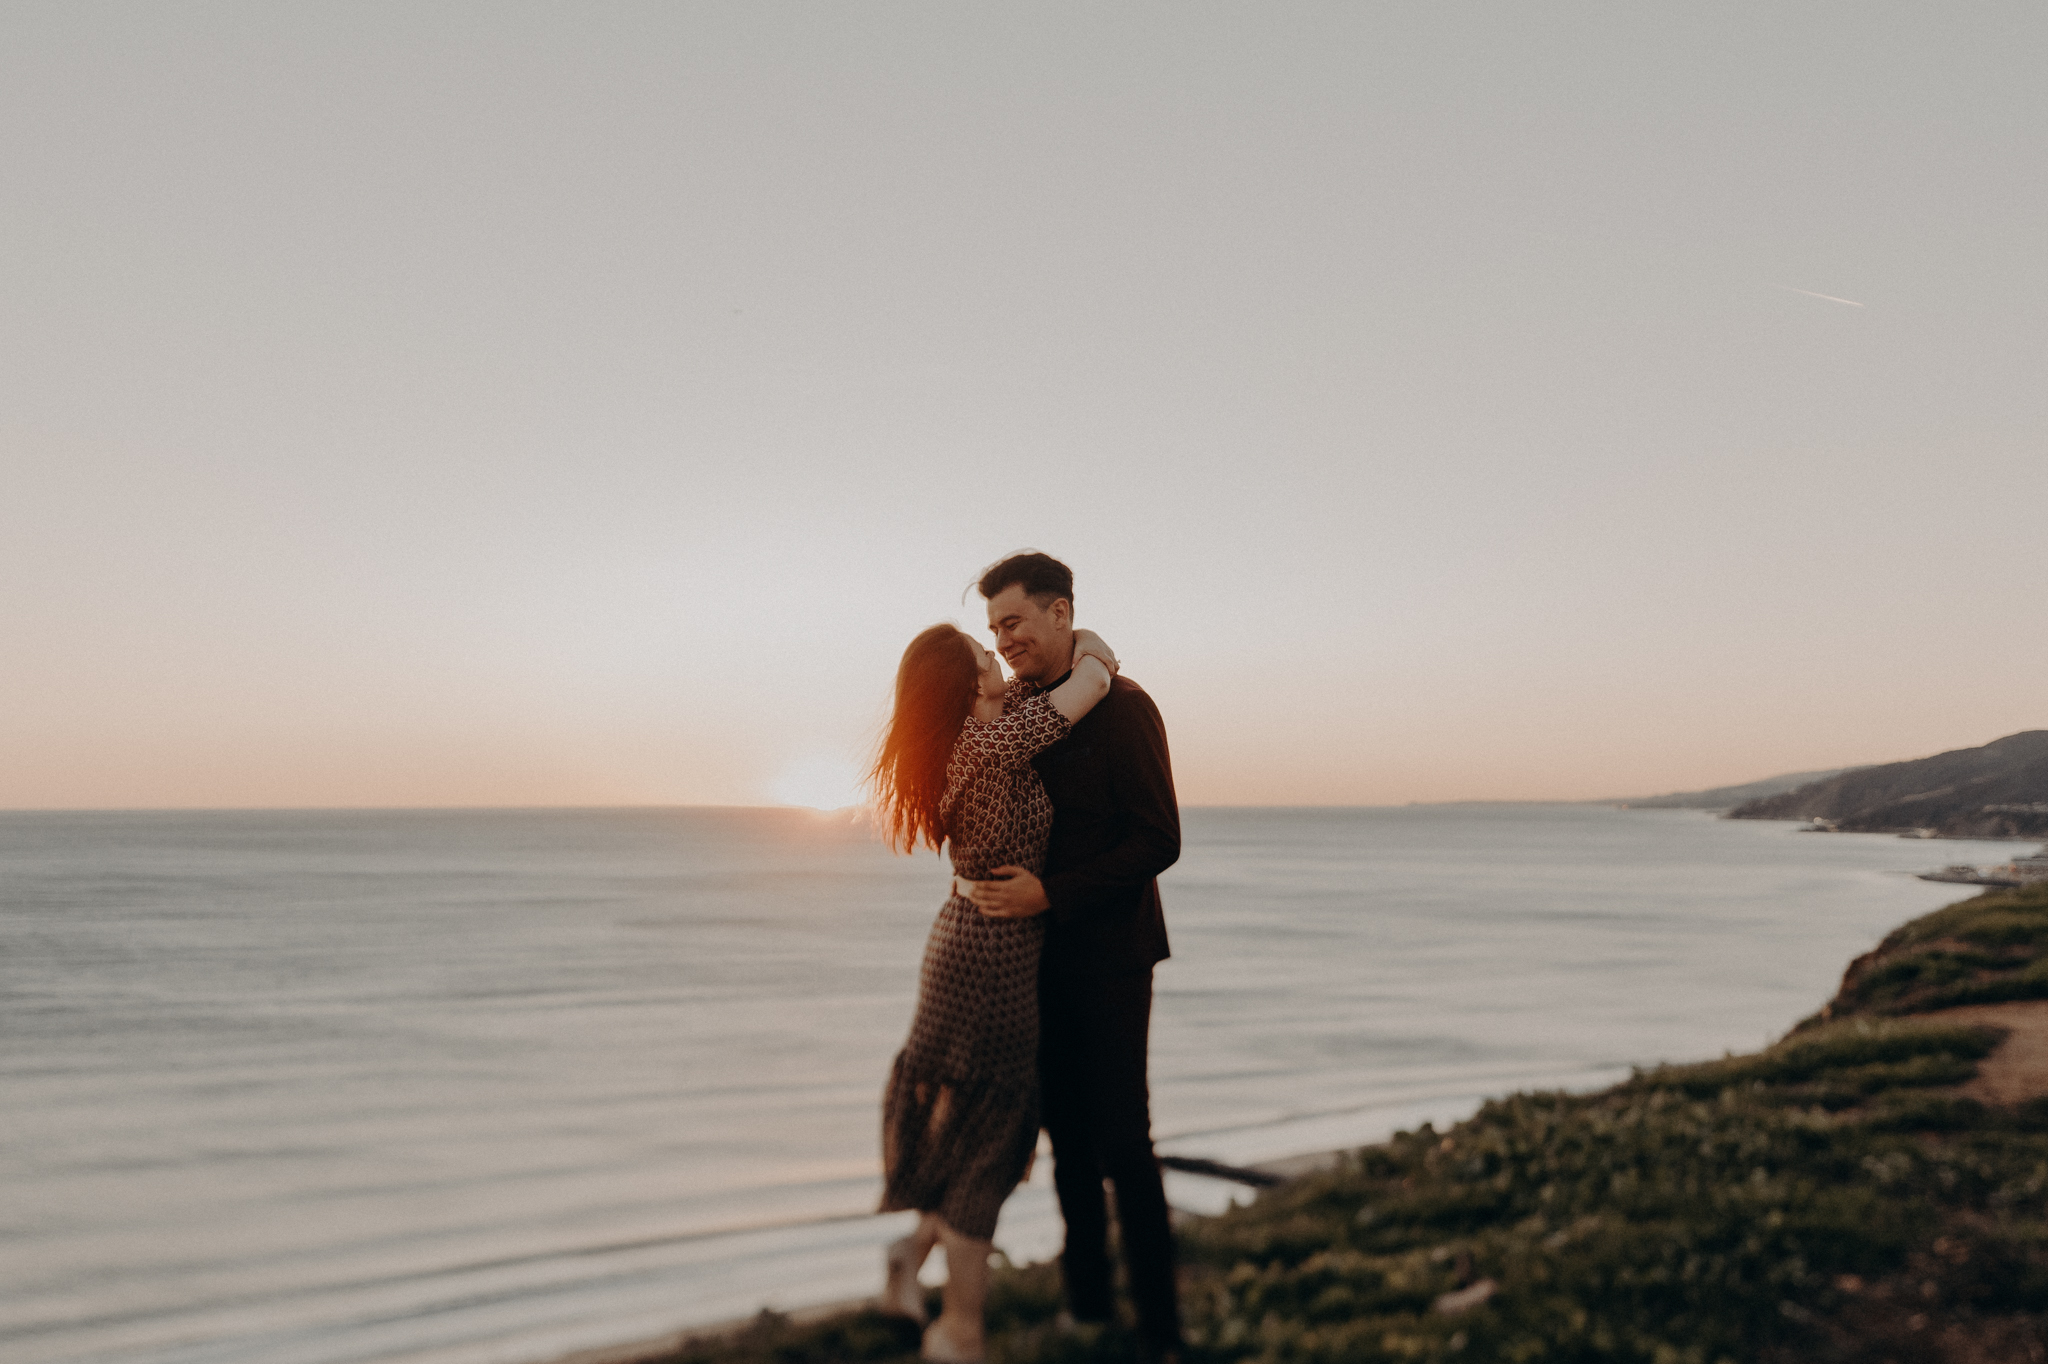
(935, 686)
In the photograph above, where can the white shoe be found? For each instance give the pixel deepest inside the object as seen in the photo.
(902, 1294)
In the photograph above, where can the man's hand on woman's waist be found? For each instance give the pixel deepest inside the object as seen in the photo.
(1014, 894)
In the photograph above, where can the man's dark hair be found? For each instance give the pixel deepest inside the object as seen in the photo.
(1042, 577)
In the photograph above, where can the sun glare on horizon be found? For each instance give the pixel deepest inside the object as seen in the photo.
(818, 781)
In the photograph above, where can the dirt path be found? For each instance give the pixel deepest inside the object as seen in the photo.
(2018, 1069)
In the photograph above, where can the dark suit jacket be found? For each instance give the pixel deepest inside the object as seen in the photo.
(1115, 827)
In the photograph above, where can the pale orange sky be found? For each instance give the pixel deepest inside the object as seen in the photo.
(492, 405)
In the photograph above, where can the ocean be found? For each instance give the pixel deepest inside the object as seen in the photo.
(483, 1087)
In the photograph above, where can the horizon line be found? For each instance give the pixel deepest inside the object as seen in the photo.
(804, 809)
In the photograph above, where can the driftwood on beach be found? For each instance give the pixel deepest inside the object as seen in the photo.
(1216, 1169)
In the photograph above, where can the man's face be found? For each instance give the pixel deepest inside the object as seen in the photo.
(1036, 641)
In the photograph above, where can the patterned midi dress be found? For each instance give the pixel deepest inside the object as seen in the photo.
(960, 1114)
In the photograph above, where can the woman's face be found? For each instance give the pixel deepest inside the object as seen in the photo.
(990, 682)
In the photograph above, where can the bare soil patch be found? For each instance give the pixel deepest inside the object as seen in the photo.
(2017, 1070)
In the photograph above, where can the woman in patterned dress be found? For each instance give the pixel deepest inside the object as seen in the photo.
(960, 1114)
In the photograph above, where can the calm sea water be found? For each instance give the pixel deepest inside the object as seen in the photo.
(483, 1087)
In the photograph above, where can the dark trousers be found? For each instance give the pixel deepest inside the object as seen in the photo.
(1091, 1064)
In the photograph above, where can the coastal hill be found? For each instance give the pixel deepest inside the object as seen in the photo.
(1724, 797)
(1997, 791)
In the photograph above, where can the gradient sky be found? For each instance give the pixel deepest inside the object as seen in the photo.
(541, 404)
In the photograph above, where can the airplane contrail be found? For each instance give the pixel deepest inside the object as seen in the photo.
(1811, 294)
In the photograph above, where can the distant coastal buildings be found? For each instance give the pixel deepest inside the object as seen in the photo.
(2021, 871)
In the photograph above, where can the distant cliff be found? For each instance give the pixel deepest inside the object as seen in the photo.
(1722, 797)
(1968, 793)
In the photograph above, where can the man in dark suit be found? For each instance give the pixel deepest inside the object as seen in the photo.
(1116, 826)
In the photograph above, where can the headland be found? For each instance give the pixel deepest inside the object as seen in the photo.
(1997, 790)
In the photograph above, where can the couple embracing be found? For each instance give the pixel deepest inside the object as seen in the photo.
(1053, 796)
